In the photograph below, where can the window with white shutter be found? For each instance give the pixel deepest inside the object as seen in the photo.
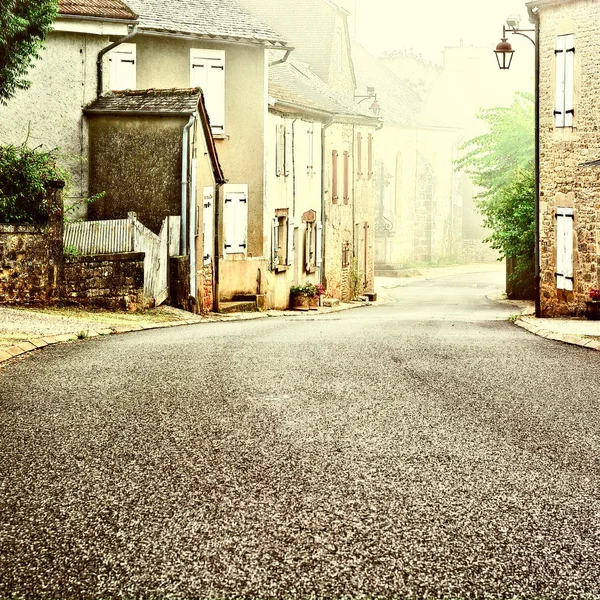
(279, 149)
(208, 194)
(287, 163)
(310, 149)
(207, 71)
(235, 200)
(564, 248)
(282, 246)
(122, 63)
(565, 62)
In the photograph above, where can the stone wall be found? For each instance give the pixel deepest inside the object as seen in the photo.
(111, 281)
(31, 257)
(564, 182)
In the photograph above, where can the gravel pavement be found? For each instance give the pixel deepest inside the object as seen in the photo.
(425, 448)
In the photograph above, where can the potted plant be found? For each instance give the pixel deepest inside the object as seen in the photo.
(305, 296)
(592, 306)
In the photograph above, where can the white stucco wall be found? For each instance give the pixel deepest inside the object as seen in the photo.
(49, 113)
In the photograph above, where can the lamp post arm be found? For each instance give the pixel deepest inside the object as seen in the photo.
(521, 32)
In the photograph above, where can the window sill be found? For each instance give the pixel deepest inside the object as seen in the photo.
(281, 268)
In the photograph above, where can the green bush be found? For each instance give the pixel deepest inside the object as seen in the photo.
(24, 175)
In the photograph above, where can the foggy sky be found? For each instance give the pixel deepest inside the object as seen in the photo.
(429, 25)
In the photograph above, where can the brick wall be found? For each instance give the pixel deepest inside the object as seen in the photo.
(563, 182)
(111, 281)
(31, 257)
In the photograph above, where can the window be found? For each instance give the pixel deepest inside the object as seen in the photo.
(565, 61)
(564, 248)
(207, 71)
(283, 150)
(122, 62)
(207, 224)
(346, 177)
(334, 178)
(359, 171)
(235, 217)
(370, 156)
(313, 249)
(310, 149)
(282, 246)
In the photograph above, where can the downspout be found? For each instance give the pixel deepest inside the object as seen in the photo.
(99, 70)
(282, 60)
(293, 170)
(184, 182)
(535, 17)
(324, 127)
(193, 232)
(217, 250)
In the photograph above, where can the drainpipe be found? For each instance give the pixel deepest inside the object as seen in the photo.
(282, 60)
(217, 250)
(184, 182)
(534, 14)
(324, 127)
(193, 233)
(100, 77)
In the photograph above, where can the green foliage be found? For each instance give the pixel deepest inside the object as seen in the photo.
(24, 173)
(355, 277)
(312, 290)
(24, 25)
(70, 250)
(501, 163)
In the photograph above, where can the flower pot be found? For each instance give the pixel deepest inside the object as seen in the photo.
(313, 302)
(592, 310)
(299, 302)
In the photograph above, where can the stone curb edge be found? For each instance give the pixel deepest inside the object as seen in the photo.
(558, 337)
(41, 342)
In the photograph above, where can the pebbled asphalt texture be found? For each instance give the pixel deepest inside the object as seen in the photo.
(422, 448)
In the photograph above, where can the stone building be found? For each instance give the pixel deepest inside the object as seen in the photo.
(569, 152)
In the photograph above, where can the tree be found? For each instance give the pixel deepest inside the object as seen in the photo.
(501, 162)
(24, 25)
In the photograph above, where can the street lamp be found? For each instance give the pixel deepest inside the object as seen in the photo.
(504, 54)
(375, 106)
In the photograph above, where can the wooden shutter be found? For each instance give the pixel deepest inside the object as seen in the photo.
(346, 177)
(208, 194)
(207, 71)
(236, 217)
(123, 67)
(287, 161)
(370, 156)
(359, 155)
(308, 246)
(290, 243)
(319, 245)
(310, 151)
(279, 153)
(559, 102)
(569, 78)
(334, 177)
(564, 248)
(275, 242)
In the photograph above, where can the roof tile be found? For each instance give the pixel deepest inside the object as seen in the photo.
(109, 9)
(178, 101)
(204, 18)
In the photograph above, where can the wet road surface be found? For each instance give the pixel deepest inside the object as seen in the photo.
(422, 448)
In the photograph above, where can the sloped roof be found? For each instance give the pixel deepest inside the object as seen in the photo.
(223, 19)
(309, 25)
(108, 9)
(293, 84)
(169, 102)
(399, 104)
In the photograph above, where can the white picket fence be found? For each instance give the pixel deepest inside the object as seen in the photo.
(130, 235)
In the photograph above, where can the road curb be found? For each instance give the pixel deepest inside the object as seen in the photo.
(565, 338)
(38, 343)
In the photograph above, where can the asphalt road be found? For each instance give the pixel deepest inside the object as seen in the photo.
(423, 448)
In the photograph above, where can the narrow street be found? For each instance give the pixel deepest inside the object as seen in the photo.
(422, 447)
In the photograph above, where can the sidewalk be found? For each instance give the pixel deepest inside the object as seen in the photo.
(575, 331)
(23, 330)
